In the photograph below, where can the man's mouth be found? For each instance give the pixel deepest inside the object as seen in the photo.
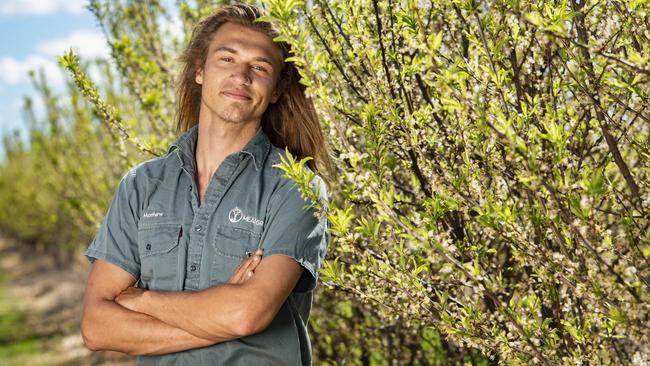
(236, 94)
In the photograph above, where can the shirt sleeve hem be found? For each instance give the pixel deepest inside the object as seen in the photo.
(309, 266)
(128, 267)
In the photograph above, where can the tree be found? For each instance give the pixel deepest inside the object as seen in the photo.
(492, 168)
(55, 188)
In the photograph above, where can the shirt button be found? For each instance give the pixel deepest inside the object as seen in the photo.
(148, 246)
(192, 268)
(190, 188)
(198, 228)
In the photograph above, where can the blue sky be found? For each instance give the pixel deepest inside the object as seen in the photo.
(33, 33)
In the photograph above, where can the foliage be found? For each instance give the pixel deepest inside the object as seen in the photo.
(55, 187)
(16, 340)
(493, 168)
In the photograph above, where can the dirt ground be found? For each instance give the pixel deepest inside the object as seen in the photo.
(40, 308)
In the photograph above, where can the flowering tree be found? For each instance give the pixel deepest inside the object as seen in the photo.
(492, 161)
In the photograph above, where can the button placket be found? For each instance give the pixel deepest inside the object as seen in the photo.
(217, 187)
(195, 251)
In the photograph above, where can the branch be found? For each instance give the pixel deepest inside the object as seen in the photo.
(609, 139)
(105, 111)
(336, 63)
(381, 47)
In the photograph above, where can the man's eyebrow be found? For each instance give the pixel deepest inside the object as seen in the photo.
(234, 51)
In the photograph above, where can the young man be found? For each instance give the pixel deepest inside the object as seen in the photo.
(183, 226)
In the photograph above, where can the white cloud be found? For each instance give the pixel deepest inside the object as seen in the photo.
(41, 7)
(87, 44)
(15, 72)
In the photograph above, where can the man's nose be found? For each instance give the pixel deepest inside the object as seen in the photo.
(241, 73)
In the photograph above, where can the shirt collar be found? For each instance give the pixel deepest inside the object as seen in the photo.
(258, 147)
(185, 145)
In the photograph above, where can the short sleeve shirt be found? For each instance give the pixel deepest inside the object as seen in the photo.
(156, 230)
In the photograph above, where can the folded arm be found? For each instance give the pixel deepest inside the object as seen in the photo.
(227, 310)
(105, 325)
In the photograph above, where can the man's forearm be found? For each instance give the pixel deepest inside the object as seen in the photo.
(225, 311)
(198, 313)
(109, 326)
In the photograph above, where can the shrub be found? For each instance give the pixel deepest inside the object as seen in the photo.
(492, 168)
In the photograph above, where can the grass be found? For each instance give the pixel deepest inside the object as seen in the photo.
(16, 342)
(14, 354)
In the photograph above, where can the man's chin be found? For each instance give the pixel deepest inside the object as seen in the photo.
(235, 118)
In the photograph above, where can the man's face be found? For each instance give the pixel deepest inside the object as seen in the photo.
(240, 74)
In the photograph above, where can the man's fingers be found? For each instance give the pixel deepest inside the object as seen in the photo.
(240, 271)
(240, 266)
(252, 262)
(249, 266)
(246, 261)
(246, 268)
(257, 258)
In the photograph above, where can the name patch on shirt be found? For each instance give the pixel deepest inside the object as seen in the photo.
(236, 215)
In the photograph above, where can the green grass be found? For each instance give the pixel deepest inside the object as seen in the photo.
(14, 353)
(12, 326)
(16, 342)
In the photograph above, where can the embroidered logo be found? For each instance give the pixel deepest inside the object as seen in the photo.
(153, 214)
(236, 215)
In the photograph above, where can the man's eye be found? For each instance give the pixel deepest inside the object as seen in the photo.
(259, 68)
(227, 59)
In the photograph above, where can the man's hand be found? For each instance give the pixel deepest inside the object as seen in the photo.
(246, 268)
(133, 298)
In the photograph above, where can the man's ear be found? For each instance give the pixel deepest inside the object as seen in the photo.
(198, 77)
(275, 96)
(280, 87)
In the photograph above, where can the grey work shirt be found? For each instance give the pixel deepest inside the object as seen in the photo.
(156, 231)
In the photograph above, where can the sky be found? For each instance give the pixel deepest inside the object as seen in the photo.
(33, 33)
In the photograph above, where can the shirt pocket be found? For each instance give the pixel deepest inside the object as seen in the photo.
(158, 247)
(231, 246)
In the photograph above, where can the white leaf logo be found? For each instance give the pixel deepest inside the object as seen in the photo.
(235, 215)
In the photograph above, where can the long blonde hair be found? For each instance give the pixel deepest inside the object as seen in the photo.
(291, 122)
